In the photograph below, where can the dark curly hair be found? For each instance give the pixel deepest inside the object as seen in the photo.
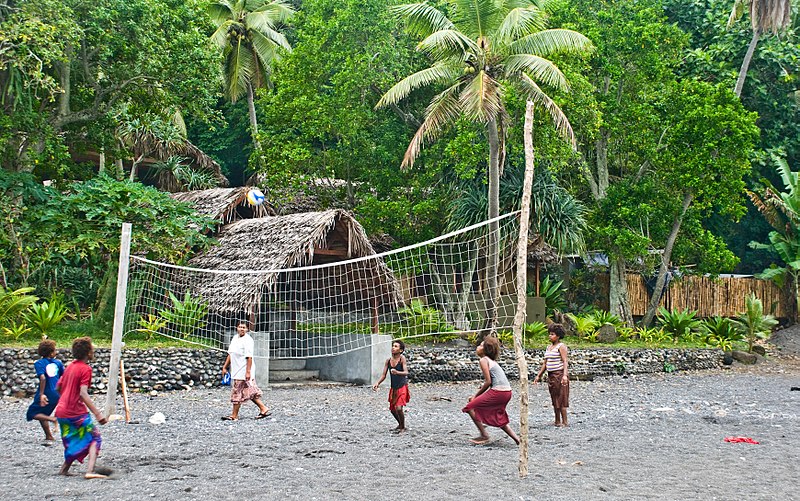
(82, 348)
(556, 329)
(402, 344)
(47, 348)
(491, 347)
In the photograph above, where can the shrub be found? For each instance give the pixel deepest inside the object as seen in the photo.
(185, 316)
(584, 325)
(553, 294)
(16, 330)
(653, 335)
(604, 317)
(47, 314)
(752, 323)
(151, 324)
(721, 332)
(678, 323)
(14, 303)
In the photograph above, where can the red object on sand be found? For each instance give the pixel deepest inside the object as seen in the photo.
(743, 440)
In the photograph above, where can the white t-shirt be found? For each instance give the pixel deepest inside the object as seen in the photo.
(241, 348)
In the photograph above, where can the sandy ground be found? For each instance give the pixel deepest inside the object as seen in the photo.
(644, 437)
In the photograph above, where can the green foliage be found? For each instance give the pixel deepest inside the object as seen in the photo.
(151, 324)
(185, 316)
(14, 303)
(678, 324)
(668, 367)
(553, 292)
(584, 325)
(419, 321)
(535, 330)
(721, 332)
(753, 324)
(654, 335)
(602, 317)
(16, 330)
(47, 314)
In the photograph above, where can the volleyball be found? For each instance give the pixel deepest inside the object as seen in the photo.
(255, 197)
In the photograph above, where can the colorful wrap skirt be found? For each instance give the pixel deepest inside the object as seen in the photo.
(559, 393)
(78, 434)
(398, 397)
(490, 407)
(244, 390)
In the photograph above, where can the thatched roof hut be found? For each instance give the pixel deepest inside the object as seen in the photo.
(224, 204)
(272, 245)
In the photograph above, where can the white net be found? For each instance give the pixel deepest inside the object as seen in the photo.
(437, 290)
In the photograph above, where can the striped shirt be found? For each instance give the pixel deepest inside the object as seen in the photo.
(553, 358)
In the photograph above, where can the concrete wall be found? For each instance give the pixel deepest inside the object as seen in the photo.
(360, 366)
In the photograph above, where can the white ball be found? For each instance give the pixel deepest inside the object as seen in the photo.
(255, 197)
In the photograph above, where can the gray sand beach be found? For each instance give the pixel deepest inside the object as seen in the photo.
(654, 436)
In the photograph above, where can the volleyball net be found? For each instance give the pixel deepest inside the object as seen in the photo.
(435, 290)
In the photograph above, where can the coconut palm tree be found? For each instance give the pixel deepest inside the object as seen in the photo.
(248, 33)
(484, 47)
(765, 15)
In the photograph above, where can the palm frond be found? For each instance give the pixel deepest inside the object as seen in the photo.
(560, 120)
(439, 72)
(259, 22)
(476, 18)
(447, 44)
(422, 19)
(443, 110)
(220, 11)
(736, 12)
(239, 66)
(761, 202)
(220, 37)
(482, 98)
(276, 11)
(544, 43)
(520, 22)
(539, 68)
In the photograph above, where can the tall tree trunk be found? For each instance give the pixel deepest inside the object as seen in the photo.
(102, 162)
(64, 76)
(665, 259)
(746, 62)
(494, 227)
(618, 301)
(251, 109)
(522, 273)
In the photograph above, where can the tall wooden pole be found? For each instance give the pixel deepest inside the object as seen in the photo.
(119, 318)
(522, 268)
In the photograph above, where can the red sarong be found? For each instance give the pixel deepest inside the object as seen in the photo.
(490, 407)
(398, 397)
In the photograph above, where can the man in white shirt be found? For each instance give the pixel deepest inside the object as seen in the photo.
(243, 384)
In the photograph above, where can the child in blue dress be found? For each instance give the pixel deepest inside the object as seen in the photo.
(48, 371)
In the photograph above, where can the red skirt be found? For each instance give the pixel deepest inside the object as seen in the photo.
(398, 397)
(490, 407)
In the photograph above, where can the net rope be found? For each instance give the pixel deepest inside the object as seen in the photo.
(434, 290)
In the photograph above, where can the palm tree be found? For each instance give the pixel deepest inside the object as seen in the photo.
(765, 15)
(249, 37)
(488, 46)
(781, 209)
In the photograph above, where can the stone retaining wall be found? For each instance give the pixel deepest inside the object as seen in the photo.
(175, 369)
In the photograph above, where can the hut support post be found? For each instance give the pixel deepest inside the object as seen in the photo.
(375, 326)
(119, 318)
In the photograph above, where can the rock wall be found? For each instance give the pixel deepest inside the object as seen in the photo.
(175, 369)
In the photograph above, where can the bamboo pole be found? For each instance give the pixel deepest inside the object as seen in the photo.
(522, 268)
(119, 317)
(124, 386)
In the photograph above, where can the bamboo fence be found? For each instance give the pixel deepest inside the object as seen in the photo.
(708, 297)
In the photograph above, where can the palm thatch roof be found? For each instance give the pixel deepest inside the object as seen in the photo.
(272, 244)
(224, 204)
